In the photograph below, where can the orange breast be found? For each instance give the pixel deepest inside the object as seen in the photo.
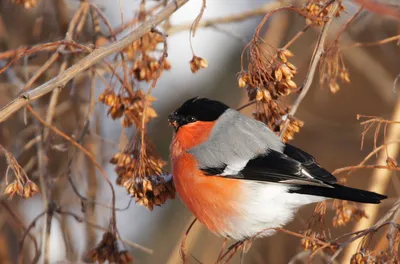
(212, 199)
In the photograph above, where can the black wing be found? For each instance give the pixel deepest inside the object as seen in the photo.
(299, 169)
(292, 166)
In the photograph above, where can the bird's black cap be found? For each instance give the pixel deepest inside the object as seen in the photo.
(197, 109)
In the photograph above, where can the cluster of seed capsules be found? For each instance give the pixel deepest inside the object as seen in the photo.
(332, 69)
(312, 241)
(197, 63)
(365, 256)
(346, 213)
(130, 107)
(139, 173)
(267, 79)
(145, 66)
(110, 249)
(143, 178)
(25, 190)
(319, 9)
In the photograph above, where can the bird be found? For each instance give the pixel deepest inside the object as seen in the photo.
(238, 178)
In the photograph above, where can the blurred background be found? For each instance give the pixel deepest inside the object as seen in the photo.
(331, 131)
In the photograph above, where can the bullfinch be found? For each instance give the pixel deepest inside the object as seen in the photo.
(238, 178)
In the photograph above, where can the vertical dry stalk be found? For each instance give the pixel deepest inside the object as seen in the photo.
(91, 194)
(379, 182)
(194, 235)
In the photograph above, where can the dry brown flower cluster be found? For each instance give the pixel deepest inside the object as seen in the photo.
(364, 256)
(130, 106)
(110, 249)
(26, 190)
(138, 167)
(140, 171)
(22, 185)
(310, 242)
(319, 8)
(268, 78)
(333, 69)
(151, 191)
(314, 232)
(26, 3)
(346, 213)
(197, 63)
(145, 66)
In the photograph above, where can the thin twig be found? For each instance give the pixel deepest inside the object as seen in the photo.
(259, 11)
(318, 52)
(380, 180)
(371, 44)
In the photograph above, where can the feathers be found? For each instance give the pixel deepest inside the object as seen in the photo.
(233, 141)
(309, 164)
(274, 166)
(341, 192)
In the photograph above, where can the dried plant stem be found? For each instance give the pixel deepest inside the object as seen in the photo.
(194, 231)
(91, 193)
(379, 182)
(79, 16)
(259, 11)
(371, 44)
(88, 61)
(47, 230)
(319, 50)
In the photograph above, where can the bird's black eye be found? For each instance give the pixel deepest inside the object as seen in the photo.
(191, 119)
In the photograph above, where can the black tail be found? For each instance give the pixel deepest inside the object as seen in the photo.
(341, 192)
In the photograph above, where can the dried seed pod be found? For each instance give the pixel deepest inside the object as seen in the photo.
(278, 74)
(286, 52)
(197, 63)
(291, 67)
(259, 95)
(291, 84)
(286, 71)
(334, 86)
(241, 82)
(282, 57)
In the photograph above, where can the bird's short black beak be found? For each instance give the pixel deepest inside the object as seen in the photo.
(174, 120)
